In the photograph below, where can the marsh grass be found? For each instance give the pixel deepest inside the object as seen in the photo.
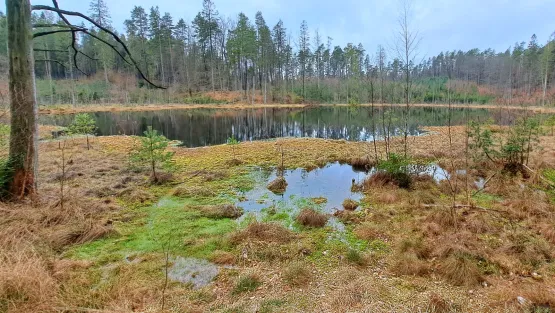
(311, 218)
(246, 283)
(297, 273)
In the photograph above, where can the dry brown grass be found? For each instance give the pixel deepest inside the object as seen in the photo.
(387, 197)
(409, 264)
(223, 258)
(379, 179)
(278, 185)
(443, 216)
(361, 163)
(529, 206)
(26, 284)
(350, 204)
(297, 273)
(78, 233)
(347, 217)
(460, 269)
(135, 195)
(368, 231)
(527, 296)
(422, 197)
(266, 232)
(530, 250)
(310, 218)
(548, 232)
(438, 304)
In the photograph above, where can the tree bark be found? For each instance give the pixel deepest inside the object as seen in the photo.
(23, 157)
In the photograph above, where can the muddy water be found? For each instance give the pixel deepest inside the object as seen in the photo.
(203, 127)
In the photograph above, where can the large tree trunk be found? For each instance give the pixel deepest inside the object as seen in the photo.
(23, 157)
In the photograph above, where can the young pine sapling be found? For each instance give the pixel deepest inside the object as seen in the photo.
(233, 142)
(152, 150)
(83, 124)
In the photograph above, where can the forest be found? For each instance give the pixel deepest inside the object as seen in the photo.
(265, 63)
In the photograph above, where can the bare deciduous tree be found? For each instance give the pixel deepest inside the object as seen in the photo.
(407, 40)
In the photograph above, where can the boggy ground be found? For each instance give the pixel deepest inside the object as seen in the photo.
(107, 248)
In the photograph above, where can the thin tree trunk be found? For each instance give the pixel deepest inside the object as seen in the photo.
(71, 76)
(23, 157)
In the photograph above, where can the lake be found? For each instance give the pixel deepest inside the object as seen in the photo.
(204, 127)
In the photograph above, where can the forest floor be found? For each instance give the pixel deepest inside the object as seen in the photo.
(111, 240)
(68, 109)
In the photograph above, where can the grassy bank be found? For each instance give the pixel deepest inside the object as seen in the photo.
(69, 109)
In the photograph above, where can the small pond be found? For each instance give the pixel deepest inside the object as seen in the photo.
(204, 127)
(332, 182)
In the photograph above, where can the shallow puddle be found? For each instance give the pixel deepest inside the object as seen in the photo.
(197, 272)
(332, 182)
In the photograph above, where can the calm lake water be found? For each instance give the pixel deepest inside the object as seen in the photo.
(204, 127)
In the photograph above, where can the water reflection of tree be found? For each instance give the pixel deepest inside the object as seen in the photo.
(202, 127)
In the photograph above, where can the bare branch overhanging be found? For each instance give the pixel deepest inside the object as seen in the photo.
(73, 29)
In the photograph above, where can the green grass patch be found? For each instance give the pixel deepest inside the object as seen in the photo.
(485, 199)
(166, 222)
(269, 306)
(246, 283)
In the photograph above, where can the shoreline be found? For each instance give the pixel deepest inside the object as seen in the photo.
(139, 108)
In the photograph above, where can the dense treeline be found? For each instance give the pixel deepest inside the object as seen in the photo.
(268, 64)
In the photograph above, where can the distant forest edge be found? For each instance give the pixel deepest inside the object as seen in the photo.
(217, 59)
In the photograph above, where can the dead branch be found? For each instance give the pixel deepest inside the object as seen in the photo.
(485, 184)
(55, 25)
(48, 50)
(545, 180)
(41, 34)
(62, 14)
(53, 61)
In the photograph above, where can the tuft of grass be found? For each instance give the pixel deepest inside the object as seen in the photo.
(219, 211)
(354, 256)
(347, 217)
(460, 269)
(246, 283)
(278, 185)
(319, 200)
(350, 204)
(408, 263)
(437, 304)
(310, 218)
(222, 258)
(443, 217)
(361, 163)
(297, 273)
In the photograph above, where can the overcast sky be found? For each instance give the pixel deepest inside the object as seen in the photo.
(442, 24)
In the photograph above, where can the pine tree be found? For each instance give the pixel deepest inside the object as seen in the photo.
(152, 151)
(99, 12)
(304, 53)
